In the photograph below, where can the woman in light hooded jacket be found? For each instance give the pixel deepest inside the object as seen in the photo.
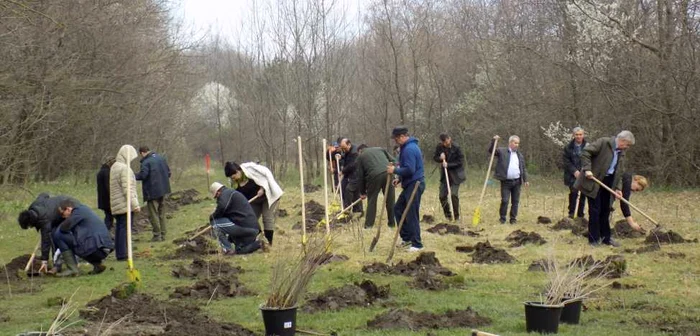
(119, 174)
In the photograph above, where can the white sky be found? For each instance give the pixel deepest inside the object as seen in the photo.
(229, 17)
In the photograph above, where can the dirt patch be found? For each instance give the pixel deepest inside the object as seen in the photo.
(282, 212)
(358, 294)
(161, 317)
(444, 228)
(538, 266)
(623, 230)
(667, 237)
(645, 249)
(424, 261)
(465, 248)
(671, 324)
(309, 188)
(331, 258)
(428, 219)
(212, 288)
(520, 238)
(315, 213)
(544, 220)
(484, 253)
(615, 266)
(429, 280)
(201, 268)
(195, 248)
(407, 319)
(15, 268)
(618, 285)
(676, 255)
(179, 198)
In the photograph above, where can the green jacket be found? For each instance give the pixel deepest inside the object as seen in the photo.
(372, 162)
(597, 157)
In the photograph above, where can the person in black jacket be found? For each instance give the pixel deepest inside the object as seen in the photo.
(450, 156)
(43, 216)
(349, 183)
(511, 171)
(572, 169)
(155, 178)
(81, 234)
(103, 192)
(234, 221)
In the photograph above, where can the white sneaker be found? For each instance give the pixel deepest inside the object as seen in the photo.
(414, 249)
(403, 244)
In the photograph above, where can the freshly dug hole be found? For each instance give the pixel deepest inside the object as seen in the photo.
(212, 288)
(201, 268)
(659, 236)
(362, 294)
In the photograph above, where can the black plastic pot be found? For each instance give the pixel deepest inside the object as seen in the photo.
(542, 318)
(571, 314)
(279, 322)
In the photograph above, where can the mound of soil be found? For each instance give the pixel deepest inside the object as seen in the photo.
(309, 188)
(282, 213)
(666, 237)
(578, 226)
(179, 198)
(315, 213)
(407, 319)
(615, 265)
(538, 266)
(645, 249)
(444, 228)
(484, 253)
(676, 255)
(544, 220)
(14, 270)
(428, 219)
(358, 294)
(618, 285)
(520, 238)
(465, 248)
(428, 280)
(201, 268)
(424, 261)
(212, 288)
(195, 248)
(623, 230)
(145, 312)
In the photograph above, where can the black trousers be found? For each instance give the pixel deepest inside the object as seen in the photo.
(599, 214)
(444, 202)
(510, 190)
(573, 195)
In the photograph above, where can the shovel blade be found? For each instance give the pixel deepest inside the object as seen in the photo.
(372, 245)
(477, 217)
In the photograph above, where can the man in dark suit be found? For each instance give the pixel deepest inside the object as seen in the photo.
(572, 168)
(450, 156)
(603, 159)
(511, 171)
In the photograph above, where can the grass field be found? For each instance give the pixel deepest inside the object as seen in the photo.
(665, 303)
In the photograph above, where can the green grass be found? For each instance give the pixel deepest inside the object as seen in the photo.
(669, 295)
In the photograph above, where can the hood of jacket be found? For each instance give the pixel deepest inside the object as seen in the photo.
(126, 151)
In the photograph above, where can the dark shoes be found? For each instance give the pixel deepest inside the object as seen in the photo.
(156, 239)
(97, 269)
(502, 220)
(611, 243)
(513, 221)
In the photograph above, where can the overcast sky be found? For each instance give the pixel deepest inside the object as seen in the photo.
(228, 17)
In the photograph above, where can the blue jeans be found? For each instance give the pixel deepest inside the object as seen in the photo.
(410, 231)
(65, 241)
(243, 238)
(120, 237)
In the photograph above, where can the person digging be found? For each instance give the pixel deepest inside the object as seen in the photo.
(234, 221)
(82, 234)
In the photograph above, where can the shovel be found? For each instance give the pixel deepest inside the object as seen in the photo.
(384, 202)
(133, 274)
(325, 197)
(477, 212)
(304, 239)
(31, 261)
(449, 193)
(403, 218)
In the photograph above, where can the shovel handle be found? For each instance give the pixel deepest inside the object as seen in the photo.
(31, 259)
(449, 192)
(206, 229)
(622, 199)
(403, 218)
(481, 333)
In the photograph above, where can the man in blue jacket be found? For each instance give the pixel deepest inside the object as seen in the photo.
(81, 234)
(155, 178)
(410, 171)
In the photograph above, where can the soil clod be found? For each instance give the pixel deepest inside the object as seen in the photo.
(408, 319)
(15, 268)
(666, 237)
(618, 285)
(428, 219)
(201, 268)
(212, 288)
(465, 249)
(444, 228)
(578, 226)
(538, 266)
(544, 220)
(520, 238)
(425, 261)
(194, 248)
(484, 253)
(309, 188)
(282, 213)
(362, 294)
(144, 312)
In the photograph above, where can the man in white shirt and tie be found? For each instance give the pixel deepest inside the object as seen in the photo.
(510, 170)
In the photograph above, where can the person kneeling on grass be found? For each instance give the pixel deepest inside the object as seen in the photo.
(83, 234)
(234, 221)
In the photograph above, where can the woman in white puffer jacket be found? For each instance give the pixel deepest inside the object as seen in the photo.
(119, 174)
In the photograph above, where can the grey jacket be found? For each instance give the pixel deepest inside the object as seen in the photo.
(597, 157)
